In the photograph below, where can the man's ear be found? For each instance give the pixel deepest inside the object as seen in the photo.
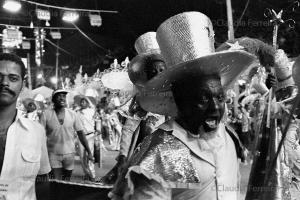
(23, 85)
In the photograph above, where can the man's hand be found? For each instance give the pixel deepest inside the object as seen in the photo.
(91, 157)
(271, 81)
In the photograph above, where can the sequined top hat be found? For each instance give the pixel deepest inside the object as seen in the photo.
(186, 42)
(147, 43)
(148, 51)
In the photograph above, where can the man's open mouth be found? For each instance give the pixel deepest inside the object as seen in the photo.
(212, 122)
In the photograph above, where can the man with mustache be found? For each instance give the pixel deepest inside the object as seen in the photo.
(23, 151)
(60, 124)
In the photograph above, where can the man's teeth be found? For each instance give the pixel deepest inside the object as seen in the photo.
(212, 123)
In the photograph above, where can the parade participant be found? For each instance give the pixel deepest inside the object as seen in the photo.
(114, 127)
(87, 114)
(23, 151)
(285, 92)
(192, 156)
(31, 111)
(146, 65)
(60, 124)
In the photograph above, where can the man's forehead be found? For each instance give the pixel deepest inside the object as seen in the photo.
(209, 83)
(9, 67)
(213, 82)
(61, 94)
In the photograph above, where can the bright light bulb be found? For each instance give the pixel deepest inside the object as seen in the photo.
(53, 80)
(70, 16)
(47, 23)
(11, 5)
(40, 76)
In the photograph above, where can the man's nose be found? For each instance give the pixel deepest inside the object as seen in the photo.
(4, 80)
(214, 104)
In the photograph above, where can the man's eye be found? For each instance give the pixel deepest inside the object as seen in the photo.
(13, 78)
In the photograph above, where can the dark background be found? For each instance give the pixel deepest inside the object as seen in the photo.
(119, 31)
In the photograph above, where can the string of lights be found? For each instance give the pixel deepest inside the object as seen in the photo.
(70, 9)
(44, 27)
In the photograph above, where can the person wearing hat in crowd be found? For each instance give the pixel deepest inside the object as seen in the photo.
(24, 162)
(193, 155)
(60, 124)
(30, 109)
(139, 123)
(87, 113)
(285, 92)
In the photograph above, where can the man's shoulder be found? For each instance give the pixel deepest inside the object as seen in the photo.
(161, 153)
(159, 141)
(163, 135)
(70, 111)
(33, 127)
(48, 111)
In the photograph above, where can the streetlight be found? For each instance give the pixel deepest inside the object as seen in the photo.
(39, 76)
(70, 16)
(53, 80)
(12, 5)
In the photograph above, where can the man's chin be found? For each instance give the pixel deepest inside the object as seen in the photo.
(6, 101)
(211, 127)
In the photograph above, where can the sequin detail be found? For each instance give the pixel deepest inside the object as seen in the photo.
(163, 154)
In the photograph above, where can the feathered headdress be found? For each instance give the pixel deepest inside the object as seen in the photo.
(265, 53)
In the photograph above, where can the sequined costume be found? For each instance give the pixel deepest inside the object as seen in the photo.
(172, 164)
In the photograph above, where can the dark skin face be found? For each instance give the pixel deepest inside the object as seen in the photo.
(11, 82)
(31, 107)
(200, 103)
(59, 100)
(84, 103)
(157, 67)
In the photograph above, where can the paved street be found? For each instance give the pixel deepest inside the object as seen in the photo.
(108, 162)
(86, 193)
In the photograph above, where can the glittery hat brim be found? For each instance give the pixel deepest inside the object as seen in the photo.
(156, 96)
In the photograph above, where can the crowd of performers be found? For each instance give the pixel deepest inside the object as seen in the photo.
(185, 130)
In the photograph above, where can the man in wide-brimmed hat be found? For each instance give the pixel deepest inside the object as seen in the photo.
(60, 124)
(193, 155)
(86, 113)
(142, 68)
(285, 92)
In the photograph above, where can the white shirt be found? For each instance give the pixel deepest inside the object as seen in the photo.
(214, 159)
(87, 119)
(221, 167)
(61, 137)
(25, 157)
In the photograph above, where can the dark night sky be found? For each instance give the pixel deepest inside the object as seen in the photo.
(135, 17)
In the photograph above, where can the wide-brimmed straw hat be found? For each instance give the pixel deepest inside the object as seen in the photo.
(187, 44)
(148, 51)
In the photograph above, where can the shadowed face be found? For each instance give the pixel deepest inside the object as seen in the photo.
(84, 103)
(31, 107)
(200, 102)
(156, 67)
(59, 100)
(10, 82)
